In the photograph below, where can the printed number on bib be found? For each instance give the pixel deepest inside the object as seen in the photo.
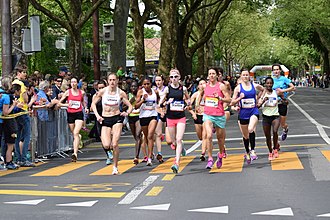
(211, 102)
(74, 104)
(271, 102)
(149, 105)
(111, 101)
(177, 106)
(248, 103)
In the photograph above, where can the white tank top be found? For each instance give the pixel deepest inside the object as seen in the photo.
(161, 92)
(270, 107)
(148, 108)
(111, 100)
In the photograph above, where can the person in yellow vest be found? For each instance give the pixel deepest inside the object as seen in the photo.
(23, 121)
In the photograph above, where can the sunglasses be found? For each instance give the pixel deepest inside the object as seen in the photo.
(101, 88)
(146, 84)
(59, 81)
(176, 76)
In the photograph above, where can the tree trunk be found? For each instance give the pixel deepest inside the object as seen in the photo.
(75, 53)
(96, 44)
(118, 50)
(201, 61)
(326, 63)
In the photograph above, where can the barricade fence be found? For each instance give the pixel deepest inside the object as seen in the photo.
(50, 133)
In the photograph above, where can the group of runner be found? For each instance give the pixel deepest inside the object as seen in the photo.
(150, 110)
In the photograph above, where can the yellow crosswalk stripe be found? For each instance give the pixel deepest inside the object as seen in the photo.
(231, 164)
(63, 169)
(168, 177)
(155, 191)
(123, 166)
(326, 154)
(287, 161)
(166, 166)
(7, 172)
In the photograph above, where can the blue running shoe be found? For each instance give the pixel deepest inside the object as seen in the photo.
(184, 152)
(11, 166)
(110, 154)
(284, 135)
(175, 168)
(109, 161)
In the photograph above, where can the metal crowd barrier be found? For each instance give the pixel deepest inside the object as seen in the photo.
(50, 134)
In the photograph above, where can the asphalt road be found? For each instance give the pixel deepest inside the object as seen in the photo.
(294, 186)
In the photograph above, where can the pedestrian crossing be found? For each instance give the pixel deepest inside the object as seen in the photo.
(234, 163)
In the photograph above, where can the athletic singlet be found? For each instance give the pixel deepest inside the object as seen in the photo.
(270, 107)
(148, 108)
(175, 110)
(213, 106)
(111, 100)
(135, 112)
(248, 105)
(75, 104)
(199, 109)
(161, 92)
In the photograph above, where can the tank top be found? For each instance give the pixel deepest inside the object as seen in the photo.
(270, 107)
(111, 100)
(248, 105)
(161, 92)
(135, 112)
(213, 106)
(175, 110)
(75, 104)
(148, 108)
(199, 109)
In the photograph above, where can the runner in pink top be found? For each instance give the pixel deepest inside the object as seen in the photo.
(215, 94)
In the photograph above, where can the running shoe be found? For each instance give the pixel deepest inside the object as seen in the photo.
(173, 147)
(149, 163)
(110, 154)
(175, 168)
(159, 157)
(284, 134)
(248, 158)
(219, 160)
(145, 159)
(115, 170)
(209, 164)
(12, 166)
(184, 152)
(253, 155)
(276, 153)
(74, 157)
(108, 162)
(136, 161)
(27, 164)
(3, 167)
(81, 144)
(202, 157)
(270, 156)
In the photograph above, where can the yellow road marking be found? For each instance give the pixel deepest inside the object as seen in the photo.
(233, 163)
(166, 166)
(7, 172)
(13, 184)
(326, 154)
(287, 161)
(123, 166)
(168, 177)
(60, 170)
(63, 193)
(155, 191)
(265, 147)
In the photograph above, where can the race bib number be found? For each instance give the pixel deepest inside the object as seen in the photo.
(149, 106)
(74, 104)
(111, 102)
(248, 103)
(177, 106)
(271, 102)
(211, 102)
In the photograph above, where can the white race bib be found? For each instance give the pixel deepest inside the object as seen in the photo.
(149, 105)
(248, 103)
(74, 104)
(211, 102)
(271, 102)
(111, 101)
(177, 106)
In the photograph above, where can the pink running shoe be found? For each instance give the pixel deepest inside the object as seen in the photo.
(219, 160)
(173, 147)
(209, 164)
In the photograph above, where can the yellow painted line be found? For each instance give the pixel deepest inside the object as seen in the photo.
(265, 147)
(63, 193)
(7, 172)
(60, 170)
(168, 177)
(155, 191)
(166, 166)
(326, 154)
(287, 161)
(231, 164)
(123, 166)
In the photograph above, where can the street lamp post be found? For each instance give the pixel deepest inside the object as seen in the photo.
(6, 41)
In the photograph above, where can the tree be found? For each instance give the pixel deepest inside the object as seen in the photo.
(70, 15)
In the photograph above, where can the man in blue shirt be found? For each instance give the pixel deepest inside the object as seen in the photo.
(283, 86)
